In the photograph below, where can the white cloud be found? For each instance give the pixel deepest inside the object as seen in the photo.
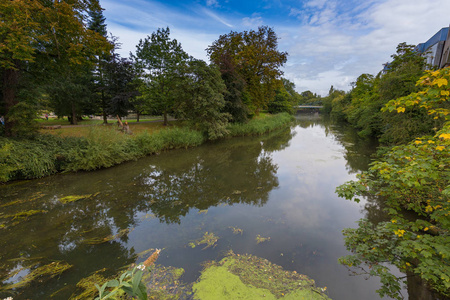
(253, 22)
(334, 44)
(216, 17)
(212, 3)
(329, 42)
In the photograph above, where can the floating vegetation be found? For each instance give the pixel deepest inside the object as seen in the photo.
(85, 288)
(145, 252)
(163, 283)
(209, 239)
(236, 230)
(11, 274)
(260, 239)
(73, 198)
(96, 240)
(11, 203)
(23, 214)
(42, 273)
(255, 278)
(17, 218)
(203, 211)
(236, 192)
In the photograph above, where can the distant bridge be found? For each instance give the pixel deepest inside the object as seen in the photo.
(308, 106)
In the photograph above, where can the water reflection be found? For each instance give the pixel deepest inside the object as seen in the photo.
(238, 171)
(279, 185)
(84, 233)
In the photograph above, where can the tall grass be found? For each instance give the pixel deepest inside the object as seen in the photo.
(104, 147)
(260, 126)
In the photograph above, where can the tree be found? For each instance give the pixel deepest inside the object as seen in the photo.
(70, 93)
(414, 181)
(202, 100)
(256, 58)
(97, 24)
(235, 95)
(120, 85)
(162, 61)
(35, 37)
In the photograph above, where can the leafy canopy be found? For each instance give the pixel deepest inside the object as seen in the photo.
(412, 177)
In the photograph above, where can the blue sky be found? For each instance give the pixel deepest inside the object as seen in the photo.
(330, 42)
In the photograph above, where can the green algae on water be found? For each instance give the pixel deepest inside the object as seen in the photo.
(250, 277)
(163, 283)
(209, 239)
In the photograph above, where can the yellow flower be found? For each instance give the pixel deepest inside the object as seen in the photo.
(445, 136)
(399, 232)
(425, 229)
(394, 221)
(418, 142)
(440, 148)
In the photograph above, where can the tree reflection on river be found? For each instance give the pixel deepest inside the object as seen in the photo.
(280, 185)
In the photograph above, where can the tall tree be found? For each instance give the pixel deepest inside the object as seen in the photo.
(97, 24)
(119, 85)
(36, 36)
(235, 95)
(202, 99)
(162, 62)
(256, 58)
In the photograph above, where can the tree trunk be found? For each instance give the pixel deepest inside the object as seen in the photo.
(105, 116)
(10, 81)
(165, 119)
(137, 116)
(74, 120)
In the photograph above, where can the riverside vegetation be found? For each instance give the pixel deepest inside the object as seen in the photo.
(47, 154)
(408, 110)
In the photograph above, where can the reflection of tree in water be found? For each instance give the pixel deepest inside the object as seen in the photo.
(59, 234)
(235, 171)
(358, 151)
(239, 170)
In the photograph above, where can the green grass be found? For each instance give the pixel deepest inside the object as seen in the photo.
(87, 121)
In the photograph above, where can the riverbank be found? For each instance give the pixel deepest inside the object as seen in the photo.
(101, 147)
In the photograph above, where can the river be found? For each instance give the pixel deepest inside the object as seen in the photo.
(280, 185)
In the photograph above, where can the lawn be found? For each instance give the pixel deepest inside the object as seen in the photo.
(79, 131)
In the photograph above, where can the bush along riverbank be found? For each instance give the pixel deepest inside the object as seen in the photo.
(47, 154)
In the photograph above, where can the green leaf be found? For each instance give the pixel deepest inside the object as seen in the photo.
(142, 291)
(136, 280)
(112, 283)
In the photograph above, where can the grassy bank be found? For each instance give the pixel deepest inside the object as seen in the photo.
(102, 147)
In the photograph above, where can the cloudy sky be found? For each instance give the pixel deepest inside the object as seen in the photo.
(330, 42)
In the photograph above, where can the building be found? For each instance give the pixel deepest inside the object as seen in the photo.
(434, 49)
(445, 59)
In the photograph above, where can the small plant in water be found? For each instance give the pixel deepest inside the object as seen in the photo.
(129, 282)
(209, 239)
(260, 239)
(236, 230)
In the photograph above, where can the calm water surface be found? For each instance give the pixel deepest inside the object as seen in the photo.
(279, 185)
